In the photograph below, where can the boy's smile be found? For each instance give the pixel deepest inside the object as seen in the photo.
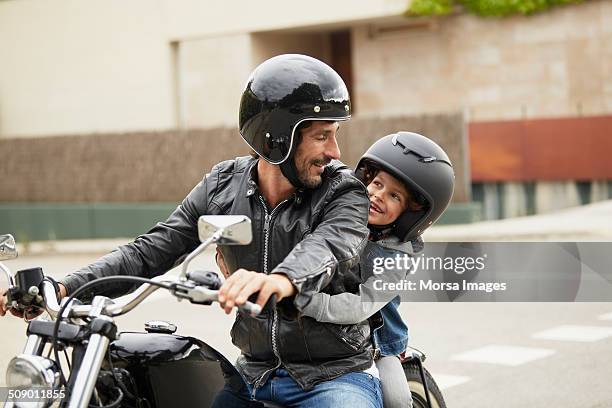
(388, 199)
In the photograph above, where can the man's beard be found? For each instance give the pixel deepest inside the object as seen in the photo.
(306, 179)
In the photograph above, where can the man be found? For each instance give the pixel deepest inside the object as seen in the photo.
(309, 218)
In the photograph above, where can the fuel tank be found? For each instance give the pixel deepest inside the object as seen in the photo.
(171, 371)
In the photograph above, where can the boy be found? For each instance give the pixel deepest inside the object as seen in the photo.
(410, 182)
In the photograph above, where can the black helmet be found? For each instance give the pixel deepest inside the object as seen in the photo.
(283, 92)
(423, 167)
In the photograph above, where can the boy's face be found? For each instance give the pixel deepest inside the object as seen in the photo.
(388, 199)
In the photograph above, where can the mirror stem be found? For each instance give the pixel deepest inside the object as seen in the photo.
(9, 276)
(214, 238)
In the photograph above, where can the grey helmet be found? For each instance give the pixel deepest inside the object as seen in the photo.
(424, 168)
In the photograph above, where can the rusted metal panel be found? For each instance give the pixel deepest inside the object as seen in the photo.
(541, 149)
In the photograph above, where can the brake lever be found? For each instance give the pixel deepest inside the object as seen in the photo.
(203, 296)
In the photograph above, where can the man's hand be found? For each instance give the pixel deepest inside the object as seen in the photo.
(221, 263)
(63, 291)
(242, 284)
(32, 313)
(3, 302)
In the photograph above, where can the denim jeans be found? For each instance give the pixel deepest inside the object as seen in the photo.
(355, 390)
(392, 338)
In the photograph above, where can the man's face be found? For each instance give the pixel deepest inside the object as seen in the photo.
(317, 148)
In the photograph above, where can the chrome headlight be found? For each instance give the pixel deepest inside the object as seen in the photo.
(26, 372)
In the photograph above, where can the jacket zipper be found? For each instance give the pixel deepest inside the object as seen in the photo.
(351, 344)
(327, 268)
(267, 222)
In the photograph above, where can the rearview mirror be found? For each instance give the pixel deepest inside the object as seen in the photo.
(235, 229)
(8, 249)
(221, 230)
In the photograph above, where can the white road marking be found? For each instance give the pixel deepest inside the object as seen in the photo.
(504, 355)
(575, 333)
(445, 381)
(607, 316)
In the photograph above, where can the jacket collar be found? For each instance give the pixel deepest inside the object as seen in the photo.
(253, 188)
(411, 247)
(252, 179)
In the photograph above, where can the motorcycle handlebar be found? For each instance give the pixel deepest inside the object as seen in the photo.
(179, 288)
(50, 298)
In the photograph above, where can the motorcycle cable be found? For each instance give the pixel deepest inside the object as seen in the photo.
(36, 309)
(113, 404)
(67, 359)
(54, 338)
(120, 385)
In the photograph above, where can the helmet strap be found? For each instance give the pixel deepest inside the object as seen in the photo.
(290, 172)
(288, 167)
(406, 224)
(378, 232)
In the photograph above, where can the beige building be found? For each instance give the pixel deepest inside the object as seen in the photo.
(74, 67)
(170, 73)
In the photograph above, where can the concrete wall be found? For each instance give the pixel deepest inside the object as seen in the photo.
(79, 67)
(558, 63)
(211, 74)
(107, 66)
(187, 19)
(74, 67)
(266, 45)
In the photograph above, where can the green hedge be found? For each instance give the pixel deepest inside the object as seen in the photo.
(483, 8)
(50, 221)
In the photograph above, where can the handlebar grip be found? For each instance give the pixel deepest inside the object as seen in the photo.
(251, 308)
(26, 291)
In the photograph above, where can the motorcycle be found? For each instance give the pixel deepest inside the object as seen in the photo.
(425, 392)
(152, 369)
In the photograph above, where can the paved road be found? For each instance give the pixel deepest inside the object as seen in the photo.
(591, 222)
(483, 355)
(517, 354)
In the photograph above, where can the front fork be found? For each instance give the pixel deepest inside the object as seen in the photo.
(103, 330)
(88, 370)
(34, 345)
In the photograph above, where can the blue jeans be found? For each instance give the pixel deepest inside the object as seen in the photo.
(355, 390)
(392, 338)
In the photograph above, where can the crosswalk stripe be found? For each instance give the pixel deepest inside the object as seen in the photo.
(504, 355)
(446, 381)
(607, 316)
(575, 333)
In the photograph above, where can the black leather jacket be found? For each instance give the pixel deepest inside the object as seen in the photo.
(314, 238)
